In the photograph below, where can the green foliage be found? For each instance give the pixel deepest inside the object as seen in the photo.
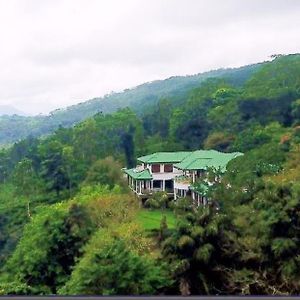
(139, 99)
(151, 219)
(25, 179)
(196, 251)
(189, 126)
(156, 120)
(16, 289)
(110, 268)
(219, 141)
(49, 247)
(251, 138)
(296, 110)
(277, 77)
(157, 200)
(52, 167)
(105, 171)
(249, 245)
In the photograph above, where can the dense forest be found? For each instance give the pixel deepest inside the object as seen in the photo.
(16, 127)
(69, 225)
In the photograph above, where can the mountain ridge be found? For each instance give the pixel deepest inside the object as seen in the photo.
(10, 110)
(15, 127)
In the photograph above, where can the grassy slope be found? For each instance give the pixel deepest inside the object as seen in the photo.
(150, 219)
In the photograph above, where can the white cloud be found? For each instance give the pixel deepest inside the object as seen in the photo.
(58, 52)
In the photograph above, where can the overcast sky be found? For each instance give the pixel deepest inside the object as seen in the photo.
(54, 53)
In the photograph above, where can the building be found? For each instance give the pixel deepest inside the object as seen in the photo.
(176, 172)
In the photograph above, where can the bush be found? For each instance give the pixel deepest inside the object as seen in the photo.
(157, 200)
(106, 171)
(110, 268)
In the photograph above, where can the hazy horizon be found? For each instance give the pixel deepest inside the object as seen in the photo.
(24, 113)
(57, 53)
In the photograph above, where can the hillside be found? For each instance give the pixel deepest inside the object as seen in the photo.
(14, 128)
(69, 225)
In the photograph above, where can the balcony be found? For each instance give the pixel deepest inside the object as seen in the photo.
(182, 182)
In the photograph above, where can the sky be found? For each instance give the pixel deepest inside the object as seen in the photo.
(55, 53)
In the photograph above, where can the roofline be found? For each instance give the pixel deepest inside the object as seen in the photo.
(157, 162)
(140, 159)
(137, 178)
(222, 168)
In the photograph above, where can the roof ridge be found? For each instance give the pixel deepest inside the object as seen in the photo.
(199, 158)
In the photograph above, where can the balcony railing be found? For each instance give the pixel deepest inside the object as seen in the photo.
(154, 190)
(183, 179)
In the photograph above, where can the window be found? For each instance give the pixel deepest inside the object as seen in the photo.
(200, 173)
(156, 184)
(155, 168)
(168, 168)
(169, 184)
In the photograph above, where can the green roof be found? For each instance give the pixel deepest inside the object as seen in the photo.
(164, 157)
(139, 175)
(203, 159)
(184, 160)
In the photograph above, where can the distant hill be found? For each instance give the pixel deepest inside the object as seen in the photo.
(10, 111)
(14, 128)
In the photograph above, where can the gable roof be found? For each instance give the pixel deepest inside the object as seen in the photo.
(184, 160)
(164, 157)
(203, 159)
(139, 175)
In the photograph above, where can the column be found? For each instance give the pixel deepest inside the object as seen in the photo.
(163, 185)
(175, 194)
(140, 185)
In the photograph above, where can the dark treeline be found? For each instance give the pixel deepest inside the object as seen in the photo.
(54, 232)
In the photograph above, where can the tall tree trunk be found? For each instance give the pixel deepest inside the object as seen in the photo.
(184, 287)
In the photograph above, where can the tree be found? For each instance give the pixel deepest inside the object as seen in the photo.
(112, 269)
(219, 141)
(156, 119)
(157, 200)
(106, 171)
(127, 142)
(49, 247)
(163, 229)
(199, 251)
(23, 176)
(68, 165)
(277, 232)
(25, 180)
(52, 166)
(296, 110)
